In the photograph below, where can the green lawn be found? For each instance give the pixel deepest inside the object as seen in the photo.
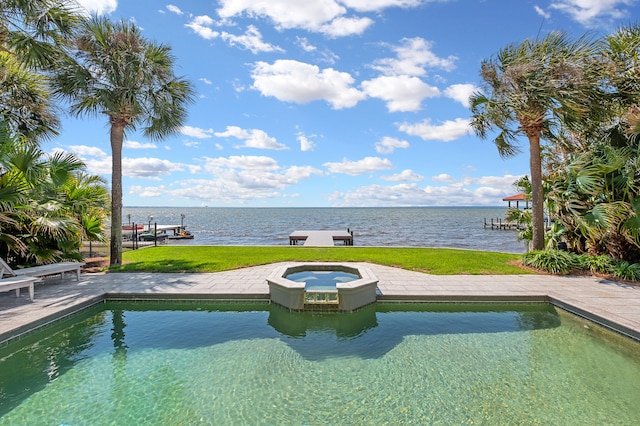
(438, 261)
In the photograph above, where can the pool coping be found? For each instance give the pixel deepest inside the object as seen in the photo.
(613, 305)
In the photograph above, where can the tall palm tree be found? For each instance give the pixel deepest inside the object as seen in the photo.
(532, 89)
(129, 79)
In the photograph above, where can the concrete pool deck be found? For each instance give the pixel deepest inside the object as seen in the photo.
(610, 303)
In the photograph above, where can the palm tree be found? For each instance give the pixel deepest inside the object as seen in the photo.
(33, 38)
(129, 79)
(534, 88)
(35, 30)
(43, 198)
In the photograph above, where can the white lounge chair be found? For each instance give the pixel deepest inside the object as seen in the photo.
(42, 270)
(16, 283)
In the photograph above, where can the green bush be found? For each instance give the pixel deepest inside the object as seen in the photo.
(597, 264)
(626, 271)
(553, 261)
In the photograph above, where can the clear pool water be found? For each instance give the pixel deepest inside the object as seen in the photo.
(188, 364)
(321, 280)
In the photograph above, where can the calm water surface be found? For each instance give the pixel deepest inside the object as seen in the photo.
(159, 364)
(460, 227)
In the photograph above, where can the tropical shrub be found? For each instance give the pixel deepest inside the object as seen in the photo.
(553, 261)
(597, 264)
(626, 271)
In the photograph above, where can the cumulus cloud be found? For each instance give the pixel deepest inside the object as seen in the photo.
(461, 93)
(250, 40)
(401, 93)
(360, 167)
(87, 151)
(253, 138)
(293, 81)
(443, 177)
(99, 7)
(305, 143)
(592, 13)
(148, 191)
(139, 145)
(413, 56)
(238, 179)
(387, 145)
(206, 81)
(196, 132)
(322, 16)
(201, 25)
(406, 175)
(342, 26)
(375, 5)
(482, 191)
(148, 168)
(446, 132)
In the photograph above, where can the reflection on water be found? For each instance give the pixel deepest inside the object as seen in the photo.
(149, 363)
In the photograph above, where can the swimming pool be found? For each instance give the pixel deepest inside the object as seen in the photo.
(194, 363)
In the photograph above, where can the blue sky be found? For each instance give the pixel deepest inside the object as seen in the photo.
(320, 103)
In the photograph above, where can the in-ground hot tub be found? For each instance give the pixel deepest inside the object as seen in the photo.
(322, 286)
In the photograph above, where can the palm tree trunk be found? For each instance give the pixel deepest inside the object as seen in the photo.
(537, 197)
(117, 136)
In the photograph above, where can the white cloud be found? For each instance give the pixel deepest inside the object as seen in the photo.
(196, 132)
(148, 191)
(387, 145)
(412, 57)
(205, 81)
(443, 177)
(201, 26)
(461, 93)
(404, 176)
(305, 143)
(174, 9)
(148, 167)
(99, 7)
(401, 93)
(139, 145)
(250, 40)
(355, 168)
(88, 151)
(293, 81)
(592, 13)
(540, 11)
(253, 138)
(341, 26)
(447, 131)
(304, 44)
(324, 16)
(244, 162)
(239, 179)
(375, 5)
(483, 191)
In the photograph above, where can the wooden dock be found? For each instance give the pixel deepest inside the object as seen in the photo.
(321, 238)
(500, 224)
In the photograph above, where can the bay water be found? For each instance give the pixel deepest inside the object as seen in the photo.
(453, 227)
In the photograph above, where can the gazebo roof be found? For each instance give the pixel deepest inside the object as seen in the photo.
(518, 197)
